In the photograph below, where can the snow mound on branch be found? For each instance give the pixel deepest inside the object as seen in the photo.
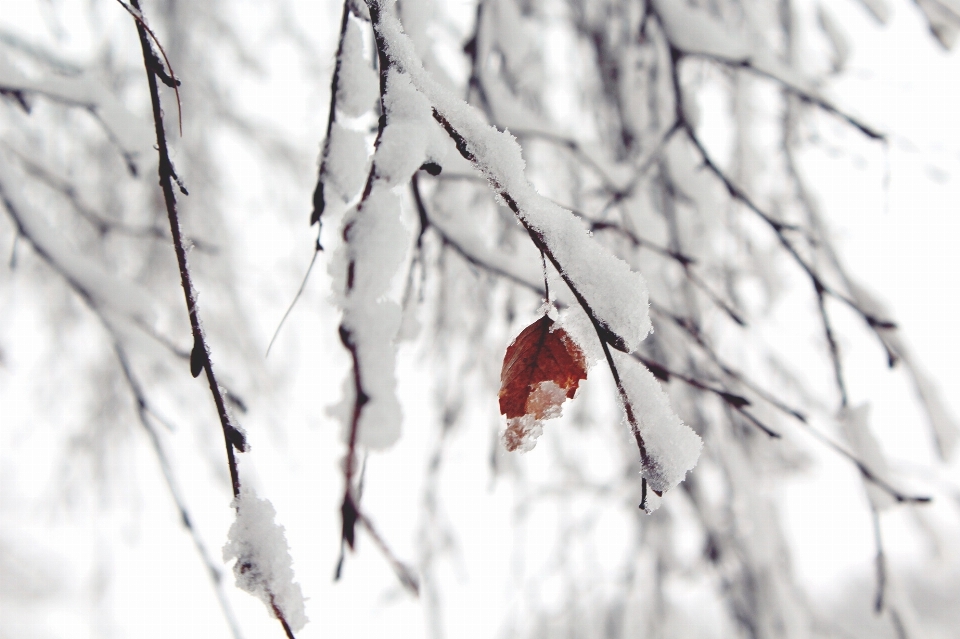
(376, 242)
(671, 447)
(375, 246)
(373, 329)
(357, 86)
(264, 567)
(411, 135)
(616, 295)
(346, 161)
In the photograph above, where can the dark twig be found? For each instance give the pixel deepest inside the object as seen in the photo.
(736, 402)
(404, 573)
(699, 340)
(865, 471)
(421, 210)
(459, 249)
(200, 355)
(834, 348)
(747, 64)
(880, 561)
(804, 96)
(296, 298)
(685, 261)
(200, 361)
(151, 60)
(546, 279)
(319, 202)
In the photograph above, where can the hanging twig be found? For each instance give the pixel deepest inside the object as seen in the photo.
(200, 354)
(319, 201)
(234, 439)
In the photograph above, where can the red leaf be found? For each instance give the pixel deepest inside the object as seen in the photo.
(542, 368)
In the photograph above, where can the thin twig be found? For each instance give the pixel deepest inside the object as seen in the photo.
(200, 361)
(880, 561)
(169, 79)
(319, 202)
(143, 412)
(200, 355)
(303, 284)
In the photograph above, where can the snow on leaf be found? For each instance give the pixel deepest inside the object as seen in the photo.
(542, 367)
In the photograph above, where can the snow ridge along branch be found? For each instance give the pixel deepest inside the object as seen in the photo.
(613, 296)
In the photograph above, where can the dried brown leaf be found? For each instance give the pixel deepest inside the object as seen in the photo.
(542, 367)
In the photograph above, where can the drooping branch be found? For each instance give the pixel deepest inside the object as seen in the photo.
(350, 510)
(200, 354)
(604, 334)
(779, 229)
(200, 361)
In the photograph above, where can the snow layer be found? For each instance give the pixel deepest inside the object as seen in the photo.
(357, 85)
(376, 243)
(672, 448)
(373, 328)
(346, 163)
(264, 567)
(616, 295)
(411, 136)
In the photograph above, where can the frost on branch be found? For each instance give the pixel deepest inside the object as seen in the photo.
(264, 567)
(542, 367)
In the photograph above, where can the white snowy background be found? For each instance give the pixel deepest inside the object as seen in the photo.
(69, 570)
